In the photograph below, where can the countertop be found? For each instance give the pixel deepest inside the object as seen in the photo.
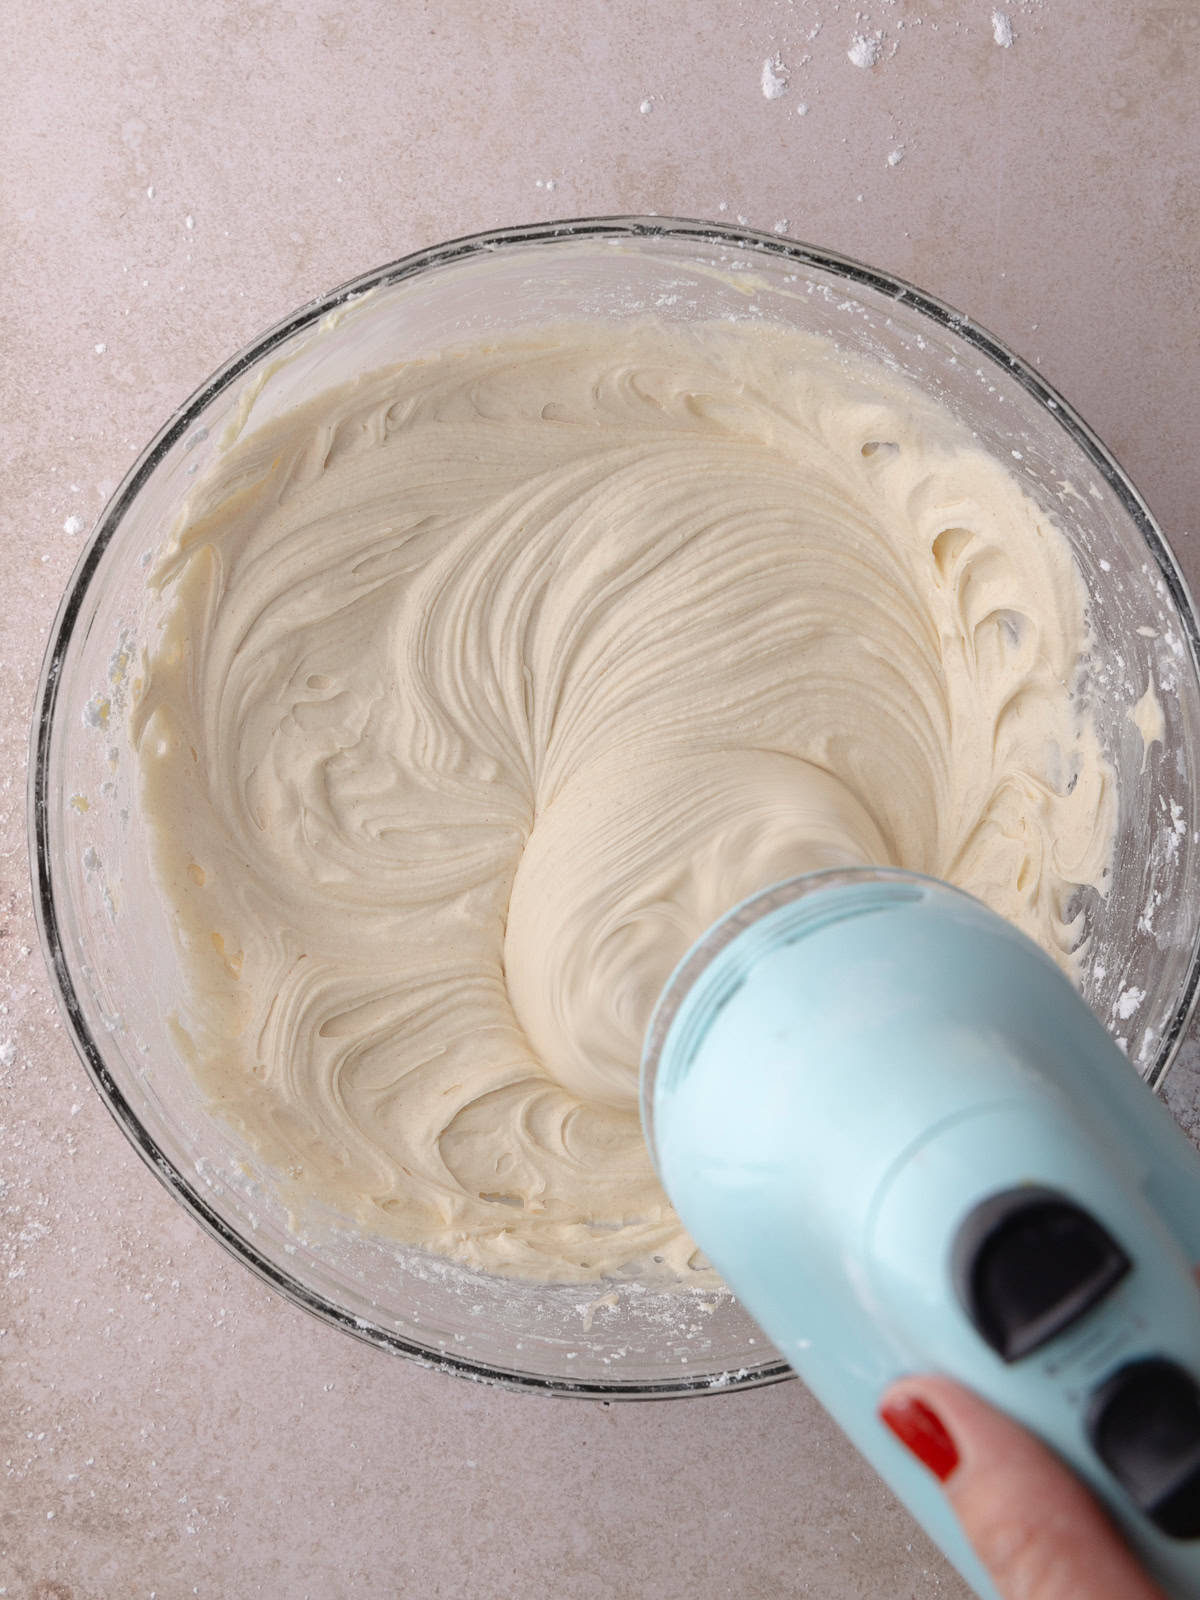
(175, 179)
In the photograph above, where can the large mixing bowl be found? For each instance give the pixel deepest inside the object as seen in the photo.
(106, 929)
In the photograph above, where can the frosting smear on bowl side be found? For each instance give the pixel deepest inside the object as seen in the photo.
(489, 682)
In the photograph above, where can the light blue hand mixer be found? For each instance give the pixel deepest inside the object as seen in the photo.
(907, 1145)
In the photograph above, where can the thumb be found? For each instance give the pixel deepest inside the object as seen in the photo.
(1037, 1530)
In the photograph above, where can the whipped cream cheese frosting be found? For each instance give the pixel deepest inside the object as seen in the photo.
(488, 682)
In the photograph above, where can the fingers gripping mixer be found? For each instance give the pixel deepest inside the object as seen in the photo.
(907, 1145)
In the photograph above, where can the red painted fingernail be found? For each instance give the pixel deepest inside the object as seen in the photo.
(921, 1430)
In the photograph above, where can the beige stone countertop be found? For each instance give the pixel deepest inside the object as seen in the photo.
(175, 178)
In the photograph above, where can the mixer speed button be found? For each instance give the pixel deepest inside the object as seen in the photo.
(1144, 1422)
(1027, 1263)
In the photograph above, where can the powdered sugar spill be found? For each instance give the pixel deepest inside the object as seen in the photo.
(1002, 29)
(774, 78)
(865, 50)
(896, 156)
(1128, 1001)
(74, 526)
(647, 106)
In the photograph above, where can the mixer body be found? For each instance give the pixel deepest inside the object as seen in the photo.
(907, 1144)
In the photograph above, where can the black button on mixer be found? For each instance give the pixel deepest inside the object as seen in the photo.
(1144, 1422)
(1027, 1263)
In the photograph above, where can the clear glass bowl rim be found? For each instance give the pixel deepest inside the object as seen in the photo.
(613, 228)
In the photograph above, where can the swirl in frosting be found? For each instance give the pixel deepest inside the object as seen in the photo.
(490, 681)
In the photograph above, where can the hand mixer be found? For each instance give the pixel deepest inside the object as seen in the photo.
(907, 1145)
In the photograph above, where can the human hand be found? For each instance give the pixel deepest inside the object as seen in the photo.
(1037, 1530)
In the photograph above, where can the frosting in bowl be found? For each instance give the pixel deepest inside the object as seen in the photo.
(490, 681)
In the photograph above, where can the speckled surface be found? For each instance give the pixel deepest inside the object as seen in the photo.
(175, 178)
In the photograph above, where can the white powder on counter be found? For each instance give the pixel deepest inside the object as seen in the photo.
(73, 526)
(865, 50)
(1002, 29)
(774, 78)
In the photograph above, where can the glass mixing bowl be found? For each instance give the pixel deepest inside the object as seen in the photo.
(106, 930)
